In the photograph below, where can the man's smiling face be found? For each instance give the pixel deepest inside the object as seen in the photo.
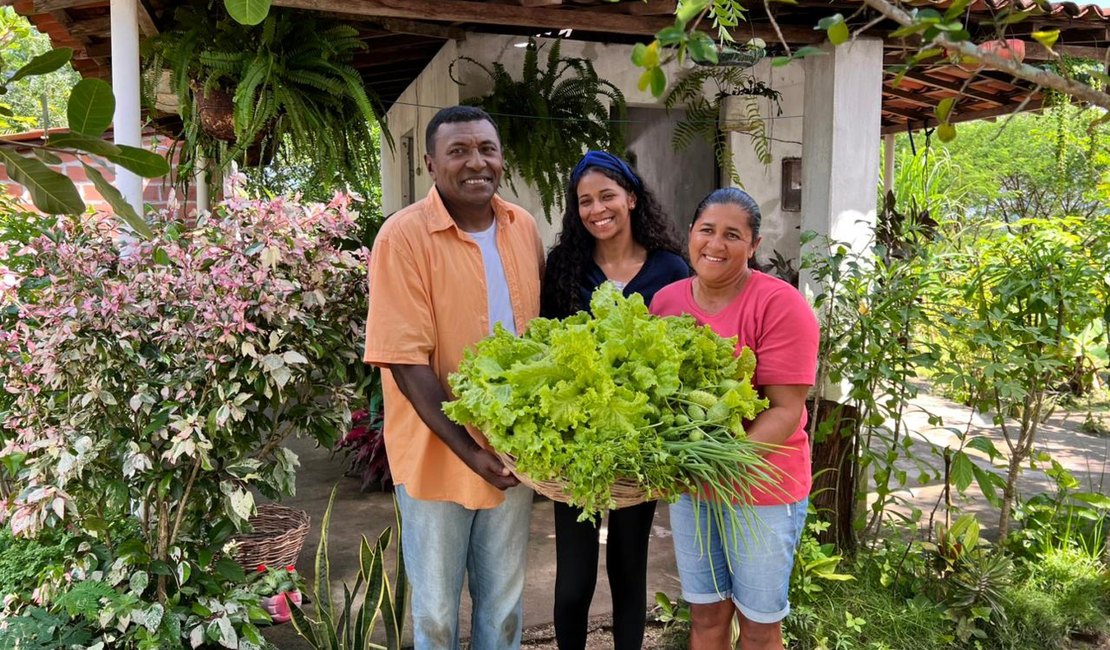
(466, 164)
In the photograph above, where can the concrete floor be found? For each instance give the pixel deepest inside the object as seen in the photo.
(358, 514)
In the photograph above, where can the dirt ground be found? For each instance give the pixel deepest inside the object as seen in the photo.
(601, 637)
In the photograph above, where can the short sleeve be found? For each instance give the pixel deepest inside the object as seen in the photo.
(786, 351)
(400, 328)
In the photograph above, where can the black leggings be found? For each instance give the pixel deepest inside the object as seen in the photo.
(626, 553)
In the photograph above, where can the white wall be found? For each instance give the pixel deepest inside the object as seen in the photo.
(780, 230)
(434, 89)
(412, 111)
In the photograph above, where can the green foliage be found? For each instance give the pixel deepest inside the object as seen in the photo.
(165, 405)
(616, 393)
(869, 305)
(550, 116)
(90, 109)
(26, 563)
(339, 626)
(706, 118)
(814, 564)
(1010, 296)
(21, 107)
(292, 88)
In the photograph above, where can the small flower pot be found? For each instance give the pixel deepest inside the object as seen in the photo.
(278, 605)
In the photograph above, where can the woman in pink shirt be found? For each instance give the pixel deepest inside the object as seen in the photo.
(746, 573)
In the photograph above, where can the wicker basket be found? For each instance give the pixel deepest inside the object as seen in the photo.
(624, 492)
(276, 537)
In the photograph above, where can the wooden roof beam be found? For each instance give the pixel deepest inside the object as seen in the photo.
(933, 82)
(46, 6)
(913, 116)
(956, 118)
(466, 11)
(920, 99)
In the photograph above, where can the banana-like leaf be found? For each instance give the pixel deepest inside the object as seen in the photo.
(50, 191)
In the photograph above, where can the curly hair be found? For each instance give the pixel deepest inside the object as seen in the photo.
(570, 257)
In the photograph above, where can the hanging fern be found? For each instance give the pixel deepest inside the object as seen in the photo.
(549, 117)
(292, 85)
(705, 119)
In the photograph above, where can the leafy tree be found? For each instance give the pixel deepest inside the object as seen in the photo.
(21, 42)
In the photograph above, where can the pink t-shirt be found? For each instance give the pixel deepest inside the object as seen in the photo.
(775, 321)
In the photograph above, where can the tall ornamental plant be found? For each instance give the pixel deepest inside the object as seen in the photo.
(155, 381)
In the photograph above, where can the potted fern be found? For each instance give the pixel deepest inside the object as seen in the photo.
(287, 82)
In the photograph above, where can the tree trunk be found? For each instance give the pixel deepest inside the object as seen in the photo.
(1009, 493)
(835, 467)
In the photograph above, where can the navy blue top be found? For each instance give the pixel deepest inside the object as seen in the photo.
(660, 269)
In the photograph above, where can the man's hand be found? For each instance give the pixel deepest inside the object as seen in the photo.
(487, 465)
(422, 388)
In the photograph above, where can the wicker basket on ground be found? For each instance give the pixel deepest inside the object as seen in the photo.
(625, 493)
(276, 537)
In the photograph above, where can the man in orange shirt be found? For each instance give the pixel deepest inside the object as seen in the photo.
(443, 271)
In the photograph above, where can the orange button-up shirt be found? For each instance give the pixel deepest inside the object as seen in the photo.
(428, 303)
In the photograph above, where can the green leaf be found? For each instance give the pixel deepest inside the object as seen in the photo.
(666, 36)
(839, 33)
(90, 108)
(122, 208)
(828, 21)
(44, 63)
(984, 445)
(50, 191)
(79, 142)
(230, 570)
(703, 48)
(47, 157)
(962, 471)
(1046, 37)
(247, 12)
(658, 82)
(147, 164)
(689, 9)
(943, 110)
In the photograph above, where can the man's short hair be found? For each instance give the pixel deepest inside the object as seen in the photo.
(453, 114)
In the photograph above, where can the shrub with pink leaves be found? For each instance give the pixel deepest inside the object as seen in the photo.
(153, 381)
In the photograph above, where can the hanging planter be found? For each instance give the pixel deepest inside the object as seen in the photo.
(215, 112)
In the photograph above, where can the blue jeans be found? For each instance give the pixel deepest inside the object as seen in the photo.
(760, 556)
(442, 542)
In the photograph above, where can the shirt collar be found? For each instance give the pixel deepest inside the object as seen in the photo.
(440, 219)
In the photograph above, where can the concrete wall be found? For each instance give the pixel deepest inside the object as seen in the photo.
(780, 229)
(412, 111)
(434, 89)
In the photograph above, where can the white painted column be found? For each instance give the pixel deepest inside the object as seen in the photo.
(840, 138)
(127, 122)
(200, 177)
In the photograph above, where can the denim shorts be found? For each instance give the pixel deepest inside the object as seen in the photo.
(756, 572)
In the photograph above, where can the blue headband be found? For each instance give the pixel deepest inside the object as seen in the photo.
(608, 161)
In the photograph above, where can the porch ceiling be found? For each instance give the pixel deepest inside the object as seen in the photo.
(402, 36)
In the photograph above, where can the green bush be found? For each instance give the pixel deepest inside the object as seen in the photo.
(24, 562)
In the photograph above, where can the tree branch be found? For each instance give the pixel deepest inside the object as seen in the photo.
(1018, 70)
